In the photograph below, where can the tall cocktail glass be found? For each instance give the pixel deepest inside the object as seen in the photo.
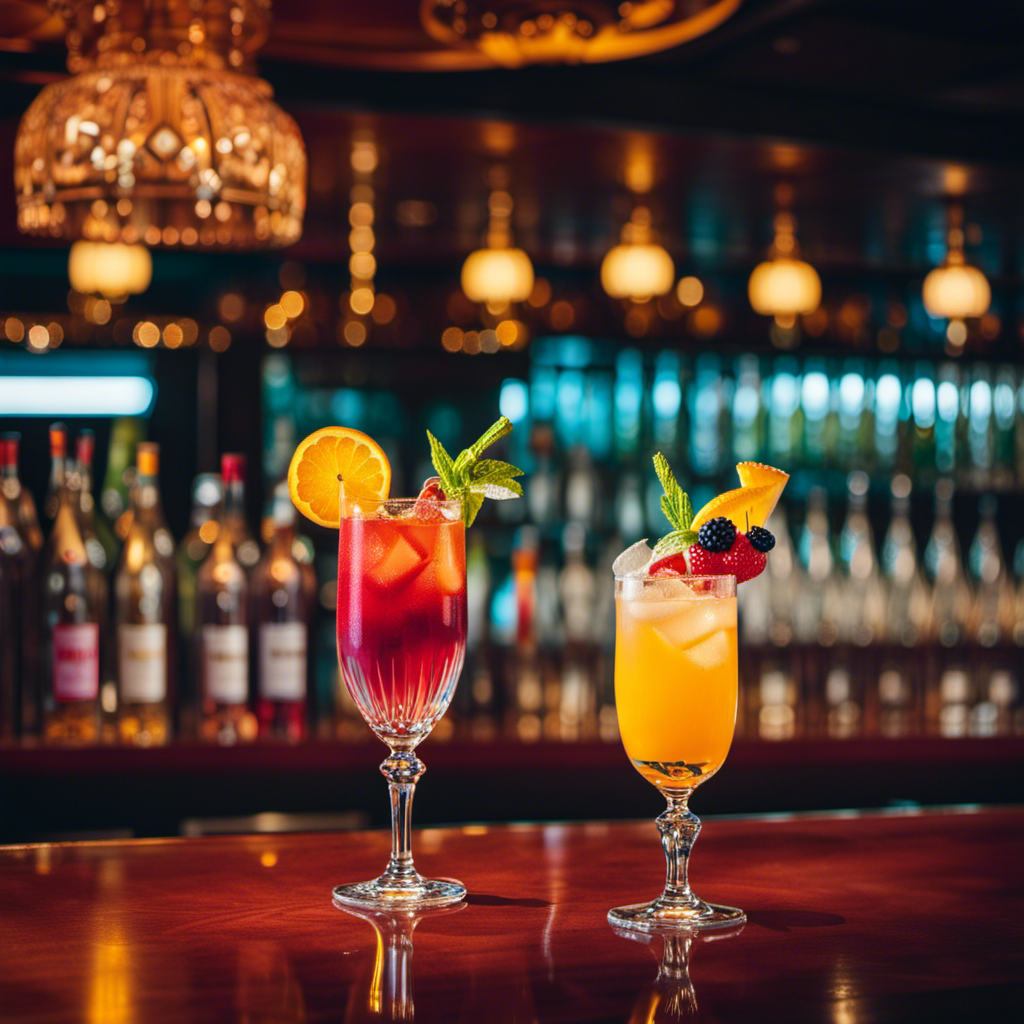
(401, 630)
(676, 687)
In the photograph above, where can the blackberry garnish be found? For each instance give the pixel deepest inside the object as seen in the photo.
(717, 534)
(760, 538)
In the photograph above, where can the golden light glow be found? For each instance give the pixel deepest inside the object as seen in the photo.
(220, 338)
(956, 291)
(497, 276)
(637, 268)
(784, 286)
(159, 138)
(275, 317)
(689, 291)
(293, 303)
(451, 339)
(570, 33)
(112, 269)
(231, 306)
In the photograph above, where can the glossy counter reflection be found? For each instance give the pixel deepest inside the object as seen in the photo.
(851, 919)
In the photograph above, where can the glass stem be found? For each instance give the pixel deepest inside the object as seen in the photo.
(402, 769)
(678, 827)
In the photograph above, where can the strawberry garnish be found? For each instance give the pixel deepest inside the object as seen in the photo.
(742, 560)
(671, 565)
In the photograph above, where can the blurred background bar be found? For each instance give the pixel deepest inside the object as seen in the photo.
(791, 233)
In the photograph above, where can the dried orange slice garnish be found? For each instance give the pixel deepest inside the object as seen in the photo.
(331, 455)
(749, 505)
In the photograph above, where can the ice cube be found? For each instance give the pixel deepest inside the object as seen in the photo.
(451, 577)
(710, 652)
(634, 560)
(696, 620)
(402, 563)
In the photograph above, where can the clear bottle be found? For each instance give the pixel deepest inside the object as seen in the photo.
(222, 632)
(144, 619)
(900, 680)
(19, 640)
(862, 610)
(950, 590)
(577, 589)
(993, 611)
(79, 481)
(71, 647)
(246, 548)
(816, 614)
(282, 609)
(115, 496)
(207, 497)
(100, 542)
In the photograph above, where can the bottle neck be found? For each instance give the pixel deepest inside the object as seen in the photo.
(58, 472)
(234, 501)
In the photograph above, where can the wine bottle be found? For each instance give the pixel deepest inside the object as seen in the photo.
(221, 630)
(246, 548)
(207, 494)
(19, 496)
(19, 634)
(71, 676)
(58, 469)
(281, 613)
(100, 542)
(144, 618)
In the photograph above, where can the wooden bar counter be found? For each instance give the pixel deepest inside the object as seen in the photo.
(851, 919)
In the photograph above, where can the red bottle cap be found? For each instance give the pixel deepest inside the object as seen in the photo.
(58, 440)
(85, 444)
(232, 467)
(9, 449)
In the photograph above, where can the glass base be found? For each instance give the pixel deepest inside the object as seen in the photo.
(382, 894)
(661, 916)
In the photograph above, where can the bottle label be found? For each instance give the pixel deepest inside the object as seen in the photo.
(142, 659)
(76, 661)
(226, 664)
(283, 660)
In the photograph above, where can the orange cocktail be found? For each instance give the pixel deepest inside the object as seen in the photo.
(676, 678)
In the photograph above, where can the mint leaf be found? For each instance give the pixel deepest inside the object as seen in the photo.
(471, 479)
(443, 464)
(674, 543)
(676, 502)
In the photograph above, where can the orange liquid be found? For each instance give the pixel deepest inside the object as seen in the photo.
(676, 683)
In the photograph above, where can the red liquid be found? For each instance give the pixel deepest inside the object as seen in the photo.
(401, 620)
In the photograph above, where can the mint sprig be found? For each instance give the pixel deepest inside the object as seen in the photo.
(678, 509)
(471, 479)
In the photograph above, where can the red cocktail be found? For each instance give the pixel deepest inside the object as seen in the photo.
(401, 643)
(402, 615)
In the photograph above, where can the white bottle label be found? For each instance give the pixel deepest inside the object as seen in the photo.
(76, 661)
(226, 664)
(283, 660)
(142, 659)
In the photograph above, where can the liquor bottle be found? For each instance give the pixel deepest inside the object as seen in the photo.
(478, 701)
(100, 542)
(144, 618)
(58, 469)
(900, 680)
(948, 681)
(19, 496)
(542, 487)
(993, 611)
(117, 482)
(71, 647)
(222, 632)
(207, 495)
(19, 696)
(950, 590)
(577, 588)
(282, 608)
(816, 614)
(79, 482)
(862, 617)
(246, 549)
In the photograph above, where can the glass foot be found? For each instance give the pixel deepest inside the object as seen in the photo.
(382, 894)
(661, 916)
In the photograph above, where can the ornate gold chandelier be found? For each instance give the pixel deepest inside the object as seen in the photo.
(163, 135)
(516, 32)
